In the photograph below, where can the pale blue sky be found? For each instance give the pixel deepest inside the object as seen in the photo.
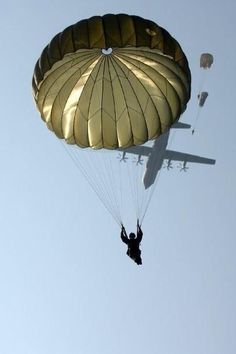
(66, 284)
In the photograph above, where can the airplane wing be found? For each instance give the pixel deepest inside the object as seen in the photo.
(180, 156)
(138, 150)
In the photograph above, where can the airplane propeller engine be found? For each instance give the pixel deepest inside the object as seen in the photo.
(182, 166)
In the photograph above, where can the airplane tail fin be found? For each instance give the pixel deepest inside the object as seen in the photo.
(179, 125)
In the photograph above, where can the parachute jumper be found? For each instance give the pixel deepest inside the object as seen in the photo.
(202, 98)
(110, 82)
(206, 61)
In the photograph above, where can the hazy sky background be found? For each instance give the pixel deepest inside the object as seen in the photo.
(67, 286)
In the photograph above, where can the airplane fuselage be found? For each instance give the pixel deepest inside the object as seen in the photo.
(158, 152)
(155, 160)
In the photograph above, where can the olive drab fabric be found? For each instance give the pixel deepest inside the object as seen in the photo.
(111, 81)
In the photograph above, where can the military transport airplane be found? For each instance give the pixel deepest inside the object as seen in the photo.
(158, 152)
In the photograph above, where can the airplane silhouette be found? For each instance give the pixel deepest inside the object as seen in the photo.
(158, 152)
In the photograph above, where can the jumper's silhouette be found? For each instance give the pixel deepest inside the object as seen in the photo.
(133, 243)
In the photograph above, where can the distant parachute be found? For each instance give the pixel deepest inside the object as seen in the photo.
(110, 82)
(202, 98)
(206, 60)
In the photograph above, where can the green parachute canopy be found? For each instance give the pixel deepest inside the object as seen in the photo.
(111, 81)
